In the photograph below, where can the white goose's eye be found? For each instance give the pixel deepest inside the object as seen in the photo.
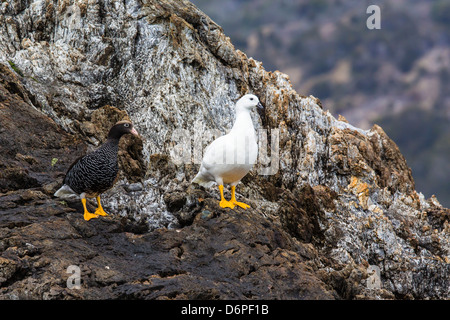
(251, 99)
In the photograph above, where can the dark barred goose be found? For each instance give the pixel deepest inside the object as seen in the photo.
(96, 172)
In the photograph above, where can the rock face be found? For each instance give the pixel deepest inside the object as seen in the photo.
(331, 203)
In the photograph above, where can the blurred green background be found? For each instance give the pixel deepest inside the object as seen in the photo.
(397, 77)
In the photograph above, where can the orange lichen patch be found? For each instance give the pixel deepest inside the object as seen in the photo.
(361, 190)
(342, 118)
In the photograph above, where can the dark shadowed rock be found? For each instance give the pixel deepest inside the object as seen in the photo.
(34, 151)
(223, 254)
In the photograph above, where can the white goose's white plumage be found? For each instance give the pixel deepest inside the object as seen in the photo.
(230, 157)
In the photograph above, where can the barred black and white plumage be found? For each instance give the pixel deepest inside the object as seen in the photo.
(96, 172)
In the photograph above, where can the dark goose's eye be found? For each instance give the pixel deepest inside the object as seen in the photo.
(126, 125)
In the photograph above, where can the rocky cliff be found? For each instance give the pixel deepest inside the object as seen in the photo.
(334, 211)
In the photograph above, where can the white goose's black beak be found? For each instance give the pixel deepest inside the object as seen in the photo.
(261, 110)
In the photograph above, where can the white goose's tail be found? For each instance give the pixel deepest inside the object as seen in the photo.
(201, 180)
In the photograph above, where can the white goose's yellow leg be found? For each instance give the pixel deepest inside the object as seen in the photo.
(87, 215)
(224, 203)
(100, 210)
(233, 199)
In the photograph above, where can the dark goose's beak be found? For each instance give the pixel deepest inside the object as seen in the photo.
(134, 132)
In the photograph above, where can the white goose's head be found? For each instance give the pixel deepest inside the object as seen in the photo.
(248, 102)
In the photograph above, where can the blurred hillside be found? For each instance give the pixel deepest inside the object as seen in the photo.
(397, 77)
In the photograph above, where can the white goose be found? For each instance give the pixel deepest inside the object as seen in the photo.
(230, 157)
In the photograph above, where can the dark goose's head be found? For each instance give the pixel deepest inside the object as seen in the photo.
(121, 128)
